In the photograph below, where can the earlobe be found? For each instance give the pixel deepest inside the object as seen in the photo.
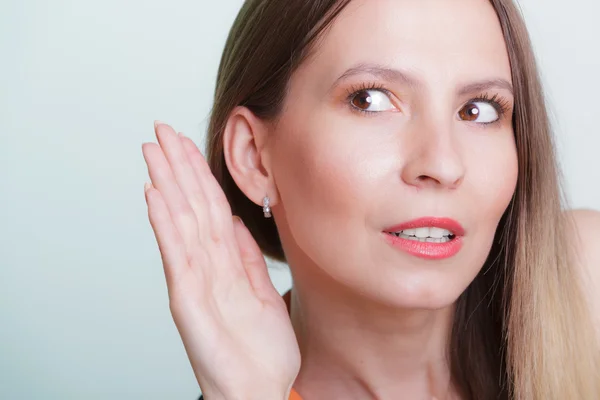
(244, 142)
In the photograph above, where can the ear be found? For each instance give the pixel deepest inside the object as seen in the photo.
(244, 146)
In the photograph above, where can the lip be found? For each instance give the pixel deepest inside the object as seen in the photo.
(431, 251)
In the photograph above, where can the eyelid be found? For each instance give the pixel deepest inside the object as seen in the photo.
(364, 86)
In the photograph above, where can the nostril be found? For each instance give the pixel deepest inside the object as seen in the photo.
(426, 178)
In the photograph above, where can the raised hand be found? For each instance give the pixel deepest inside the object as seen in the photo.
(233, 323)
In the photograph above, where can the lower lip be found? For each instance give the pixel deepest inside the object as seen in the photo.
(427, 250)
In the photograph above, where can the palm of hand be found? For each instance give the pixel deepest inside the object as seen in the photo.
(233, 323)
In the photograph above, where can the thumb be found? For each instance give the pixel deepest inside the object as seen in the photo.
(253, 262)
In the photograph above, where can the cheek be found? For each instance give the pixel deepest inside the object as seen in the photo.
(488, 190)
(324, 176)
(322, 170)
(493, 176)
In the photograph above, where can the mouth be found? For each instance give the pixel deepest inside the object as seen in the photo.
(428, 237)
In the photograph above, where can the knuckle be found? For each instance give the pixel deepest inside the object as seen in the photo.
(197, 259)
(216, 236)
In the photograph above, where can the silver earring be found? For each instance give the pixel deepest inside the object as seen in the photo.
(266, 208)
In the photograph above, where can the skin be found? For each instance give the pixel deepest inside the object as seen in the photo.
(369, 320)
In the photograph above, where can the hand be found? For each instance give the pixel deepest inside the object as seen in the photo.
(234, 325)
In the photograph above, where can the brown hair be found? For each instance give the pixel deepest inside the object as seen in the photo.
(520, 328)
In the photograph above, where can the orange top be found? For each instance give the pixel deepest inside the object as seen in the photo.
(294, 395)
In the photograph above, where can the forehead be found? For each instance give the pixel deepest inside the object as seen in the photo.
(436, 40)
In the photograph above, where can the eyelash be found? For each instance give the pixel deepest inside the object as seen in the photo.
(501, 105)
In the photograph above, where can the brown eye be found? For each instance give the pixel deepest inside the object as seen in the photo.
(362, 100)
(479, 111)
(470, 112)
(371, 100)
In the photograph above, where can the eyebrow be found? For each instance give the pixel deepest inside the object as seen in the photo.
(395, 75)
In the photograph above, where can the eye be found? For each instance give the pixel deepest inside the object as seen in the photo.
(371, 100)
(479, 111)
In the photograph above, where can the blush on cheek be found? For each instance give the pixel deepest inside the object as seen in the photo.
(318, 171)
(322, 191)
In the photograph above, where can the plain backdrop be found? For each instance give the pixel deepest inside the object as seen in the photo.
(83, 302)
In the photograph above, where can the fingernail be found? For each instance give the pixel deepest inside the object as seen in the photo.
(157, 123)
(236, 218)
(147, 186)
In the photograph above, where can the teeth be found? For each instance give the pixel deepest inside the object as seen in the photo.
(428, 239)
(426, 234)
(422, 233)
(439, 232)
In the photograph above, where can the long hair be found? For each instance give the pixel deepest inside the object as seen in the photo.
(522, 329)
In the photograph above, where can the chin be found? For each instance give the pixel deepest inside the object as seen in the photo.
(422, 294)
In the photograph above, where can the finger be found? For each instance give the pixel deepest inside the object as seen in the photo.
(254, 263)
(184, 175)
(162, 178)
(171, 246)
(220, 210)
(218, 205)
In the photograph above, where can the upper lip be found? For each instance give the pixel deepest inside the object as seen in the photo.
(439, 222)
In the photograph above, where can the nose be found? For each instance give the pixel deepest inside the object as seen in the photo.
(432, 159)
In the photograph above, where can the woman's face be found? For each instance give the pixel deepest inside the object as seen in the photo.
(404, 111)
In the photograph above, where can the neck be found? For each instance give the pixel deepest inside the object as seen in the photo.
(356, 348)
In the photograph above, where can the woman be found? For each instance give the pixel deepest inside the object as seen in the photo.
(397, 154)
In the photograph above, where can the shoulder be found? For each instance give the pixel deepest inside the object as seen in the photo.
(584, 231)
